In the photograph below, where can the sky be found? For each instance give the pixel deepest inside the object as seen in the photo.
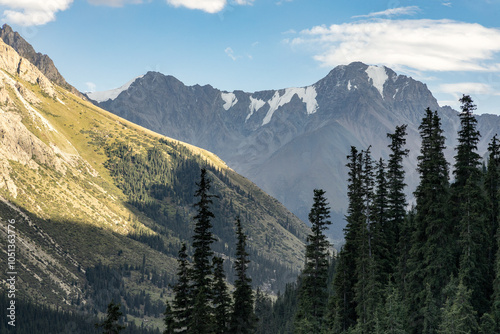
(453, 46)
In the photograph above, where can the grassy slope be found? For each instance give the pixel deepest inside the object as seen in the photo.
(80, 217)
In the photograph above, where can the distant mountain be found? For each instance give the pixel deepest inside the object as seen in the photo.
(41, 61)
(101, 205)
(293, 140)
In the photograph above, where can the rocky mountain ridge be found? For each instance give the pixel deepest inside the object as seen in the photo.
(85, 229)
(290, 141)
(41, 61)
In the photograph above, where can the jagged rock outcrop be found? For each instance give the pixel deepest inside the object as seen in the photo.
(41, 61)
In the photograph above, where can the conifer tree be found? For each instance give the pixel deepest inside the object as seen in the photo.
(243, 318)
(343, 299)
(264, 312)
(431, 254)
(202, 315)
(458, 314)
(396, 199)
(367, 287)
(221, 298)
(110, 325)
(380, 248)
(181, 310)
(469, 210)
(312, 294)
(169, 320)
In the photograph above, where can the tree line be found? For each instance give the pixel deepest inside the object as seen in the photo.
(433, 268)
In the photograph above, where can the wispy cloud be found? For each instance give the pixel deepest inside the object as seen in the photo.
(209, 6)
(30, 13)
(409, 10)
(114, 3)
(230, 53)
(447, 4)
(422, 45)
(476, 88)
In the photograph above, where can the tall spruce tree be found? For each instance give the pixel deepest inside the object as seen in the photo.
(396, 200)
(343, 298)
(367, 288)
(469, 210)
(221, 298)
(202, 315)
(243, 319)
(312, 294)
(181, 308)
(492, 187)
(430, 261)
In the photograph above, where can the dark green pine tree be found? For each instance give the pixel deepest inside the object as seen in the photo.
(221, 298)
(243, 319)
(201, 320)
(492, 187)
(169, 320)
(313, 294)
(396, 202)
(110, 325)
(378, 221)
(367, 288)
(343, 297)
(469, 211)
(430, 261)
(458, 314)
(264, 312)
(181, 309)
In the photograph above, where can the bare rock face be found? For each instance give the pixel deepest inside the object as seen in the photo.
(41, 61)
(11, 62)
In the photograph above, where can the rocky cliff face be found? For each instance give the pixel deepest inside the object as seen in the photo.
(293, 140)
(41, 61)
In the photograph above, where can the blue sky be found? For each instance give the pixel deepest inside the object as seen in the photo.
(452, 46)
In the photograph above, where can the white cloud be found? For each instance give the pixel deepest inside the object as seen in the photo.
(90, 87)
(447, 4)
(475, 88)
(209, 6)
(409, 10)
(230, 53)
(244, 2)
(421, 45)
(114, 3)
(32, 12)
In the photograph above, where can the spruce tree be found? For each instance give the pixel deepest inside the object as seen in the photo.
(396, 201)
(458, 314)
(169, 320)
(431, 255)
(343, 298)
(312, 294)
(367, 288)
(243, 318)
(469, 210)
(181, 309)
(221, 298)
(202, 316)
(110, 325)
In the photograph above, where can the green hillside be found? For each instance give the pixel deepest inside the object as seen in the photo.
(102, 205)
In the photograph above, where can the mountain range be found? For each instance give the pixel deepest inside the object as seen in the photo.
(291, 141)
(101, 205)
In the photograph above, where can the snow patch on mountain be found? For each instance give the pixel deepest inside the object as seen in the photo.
(378, 75)
(112, 93)
(255, 104)
(307, 95)
(229, 99)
